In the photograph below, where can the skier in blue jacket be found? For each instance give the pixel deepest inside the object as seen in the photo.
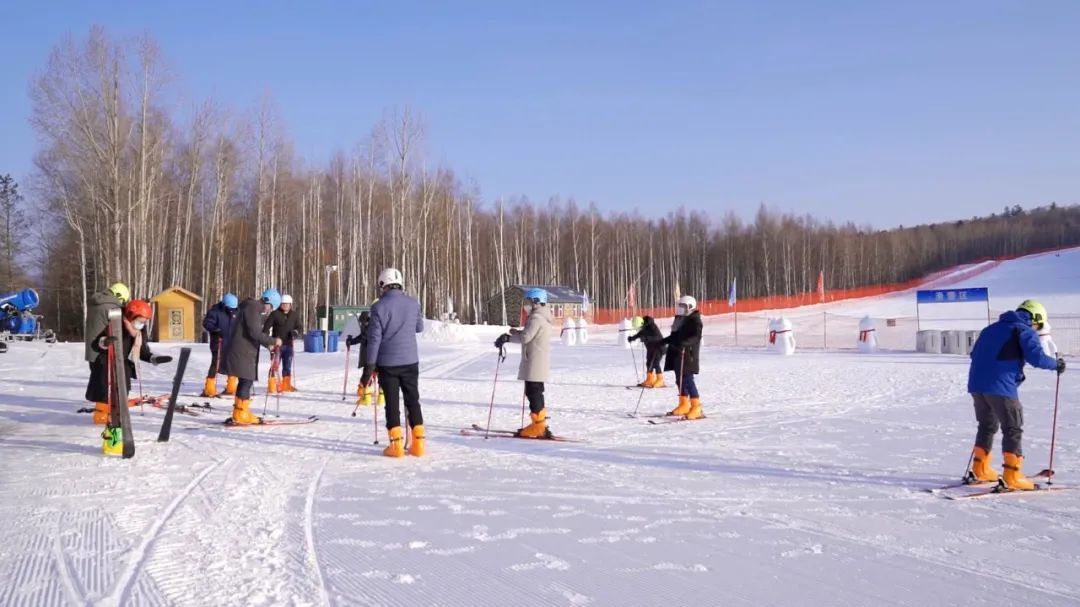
(391, 351)
(997, 370)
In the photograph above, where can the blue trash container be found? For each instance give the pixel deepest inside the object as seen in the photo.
(313, 341)
(332, 345)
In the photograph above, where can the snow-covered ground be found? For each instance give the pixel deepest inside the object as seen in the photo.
(803, 487)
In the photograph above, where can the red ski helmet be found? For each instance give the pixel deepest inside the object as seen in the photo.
(137, 308)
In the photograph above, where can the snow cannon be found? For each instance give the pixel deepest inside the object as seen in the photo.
(1047, 341)
(582, 331)
(16, 313)
(781, 336)
(626, 329)
(569, 332)
(867, 336)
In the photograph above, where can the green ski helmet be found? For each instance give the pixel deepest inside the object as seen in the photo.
(1035, 309)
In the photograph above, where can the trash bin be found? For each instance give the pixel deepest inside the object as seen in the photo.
(313, 341)
(331, 345)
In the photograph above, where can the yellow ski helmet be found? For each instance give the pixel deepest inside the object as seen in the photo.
(121, 292)
(1036, 309)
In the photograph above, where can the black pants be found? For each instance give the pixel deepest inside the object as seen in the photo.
(406, 379)
(243, 389)
(993, 411)
(652, 360)
(534, 391)
(97, 388)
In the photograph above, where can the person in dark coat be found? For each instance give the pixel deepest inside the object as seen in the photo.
(134, 344)
(994, 378)
(361, 339)
(97, 324)
(653, 339)
(683, 355)
(243, 356)
(218, 323)
(284, 324)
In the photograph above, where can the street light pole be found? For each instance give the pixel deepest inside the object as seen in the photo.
(326, 337)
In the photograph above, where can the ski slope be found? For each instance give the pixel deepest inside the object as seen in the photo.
(805, 485)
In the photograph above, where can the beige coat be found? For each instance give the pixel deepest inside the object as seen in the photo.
(535, 340)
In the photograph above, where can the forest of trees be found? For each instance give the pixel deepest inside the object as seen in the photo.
(216, 200)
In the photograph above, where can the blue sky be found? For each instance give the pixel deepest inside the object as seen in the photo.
(878, 112)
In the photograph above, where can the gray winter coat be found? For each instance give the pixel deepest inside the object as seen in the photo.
(97, 320)
(243, 355)
(395, 321)
(535, 340)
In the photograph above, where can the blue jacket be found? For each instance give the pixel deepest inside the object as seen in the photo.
(395, 321)
(997, 360)
(219, 323)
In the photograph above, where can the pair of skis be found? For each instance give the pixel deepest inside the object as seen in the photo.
(228, 423)
(981, 490)
(478, 430)
(661, 419)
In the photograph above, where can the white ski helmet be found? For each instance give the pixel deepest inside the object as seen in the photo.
(689, 303)
(390, 277)
(286, 299)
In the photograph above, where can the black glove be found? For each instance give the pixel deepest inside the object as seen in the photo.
(107, 340)
(1061, 366)
(295, 333)
(502, 340)
(352, 341)
(156, 359)
(365, 377)
(630, 339)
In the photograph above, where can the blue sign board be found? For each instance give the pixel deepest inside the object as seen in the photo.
(953, 295)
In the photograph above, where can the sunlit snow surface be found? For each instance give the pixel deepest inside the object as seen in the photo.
(803, 487)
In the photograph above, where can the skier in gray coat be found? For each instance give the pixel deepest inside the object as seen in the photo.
(535, 368)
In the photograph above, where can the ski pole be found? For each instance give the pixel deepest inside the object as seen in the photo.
(969, 476)
(1053, 433)
(345, 384)
(640, 394)
(277, 397)
(273, 370)
(633, 354)
(142, 395)
(375, 406)
(522, 409)
(682, 368)
(494, 385)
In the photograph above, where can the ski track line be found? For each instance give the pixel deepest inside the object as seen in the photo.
(309, 534)
(63, 568)
(123, 586)
(309, 522)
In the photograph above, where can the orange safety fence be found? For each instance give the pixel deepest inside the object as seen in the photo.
(713, 307)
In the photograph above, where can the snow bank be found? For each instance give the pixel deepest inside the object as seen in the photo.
(447, 333)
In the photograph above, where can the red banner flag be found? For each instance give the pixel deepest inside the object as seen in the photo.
(631, 298)
(821, 286)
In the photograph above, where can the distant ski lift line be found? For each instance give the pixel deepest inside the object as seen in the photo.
(951, 296)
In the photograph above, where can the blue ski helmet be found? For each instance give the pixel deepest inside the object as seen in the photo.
(230, 301)
(536, 295)
(272, 297)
